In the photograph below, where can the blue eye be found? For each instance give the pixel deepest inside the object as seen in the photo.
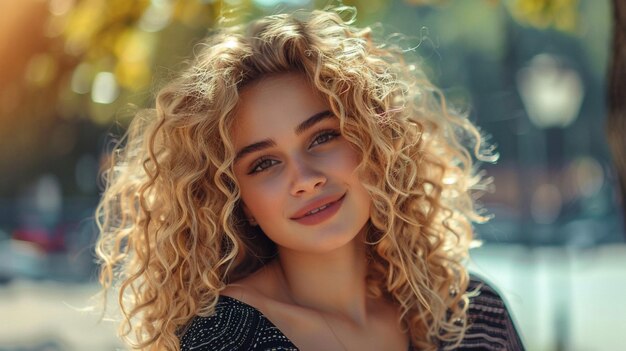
(325, 136)
(262, 164)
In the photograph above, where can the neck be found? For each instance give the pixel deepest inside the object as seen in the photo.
(331, 283)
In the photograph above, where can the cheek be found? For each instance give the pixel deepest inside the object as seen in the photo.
(346, 160)
(262, 199)
(351, 158)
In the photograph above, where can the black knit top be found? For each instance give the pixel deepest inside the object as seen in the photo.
(236, 325)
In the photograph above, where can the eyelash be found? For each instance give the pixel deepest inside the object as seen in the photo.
(330, 133)
(260, 162)
(327, 135)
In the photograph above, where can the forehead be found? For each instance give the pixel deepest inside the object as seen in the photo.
(273, 105)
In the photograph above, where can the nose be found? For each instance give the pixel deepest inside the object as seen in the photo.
(306, 178)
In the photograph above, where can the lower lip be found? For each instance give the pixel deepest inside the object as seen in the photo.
(322, 215)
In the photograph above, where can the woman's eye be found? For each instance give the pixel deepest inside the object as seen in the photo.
(262, 165)
(325, 137)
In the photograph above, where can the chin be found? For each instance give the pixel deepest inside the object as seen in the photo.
(333, 241)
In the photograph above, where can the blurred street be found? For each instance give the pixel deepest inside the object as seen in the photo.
(52, 316)
(561, 300)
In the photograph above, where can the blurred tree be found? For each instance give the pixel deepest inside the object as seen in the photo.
(616, 122)
(66, 60)
(561, 14)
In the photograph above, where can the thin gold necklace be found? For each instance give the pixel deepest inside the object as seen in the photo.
(283, 282)
(333, 331)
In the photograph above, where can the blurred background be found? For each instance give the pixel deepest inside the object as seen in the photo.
(533, 74)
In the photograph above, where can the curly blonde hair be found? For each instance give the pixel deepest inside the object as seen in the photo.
(172, 230)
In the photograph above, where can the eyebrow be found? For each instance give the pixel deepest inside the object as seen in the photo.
(267, 143)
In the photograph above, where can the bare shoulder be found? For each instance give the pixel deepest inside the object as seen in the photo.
(255, 289)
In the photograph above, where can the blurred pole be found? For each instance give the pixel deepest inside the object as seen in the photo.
(616, 121)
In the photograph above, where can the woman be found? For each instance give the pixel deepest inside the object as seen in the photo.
(298, 187)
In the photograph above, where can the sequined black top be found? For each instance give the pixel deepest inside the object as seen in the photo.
(236, 325)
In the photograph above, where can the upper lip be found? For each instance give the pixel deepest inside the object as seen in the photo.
(317, 204)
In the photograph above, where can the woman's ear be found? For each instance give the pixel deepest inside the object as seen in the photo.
(249, 217)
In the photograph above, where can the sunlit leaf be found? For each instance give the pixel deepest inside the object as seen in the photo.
(561, 14)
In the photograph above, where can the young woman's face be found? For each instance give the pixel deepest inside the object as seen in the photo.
(295, 171)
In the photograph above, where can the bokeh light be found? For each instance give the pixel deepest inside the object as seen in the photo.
(105, 89)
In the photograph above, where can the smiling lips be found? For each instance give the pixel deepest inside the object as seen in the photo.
(319, 210)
